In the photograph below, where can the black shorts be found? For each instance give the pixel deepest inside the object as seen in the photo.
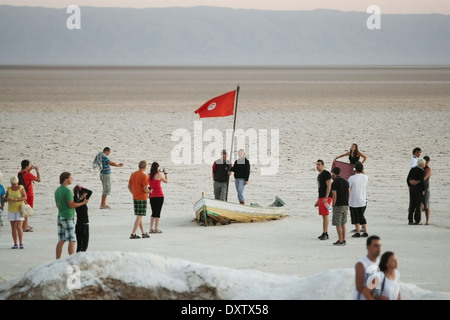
(357, 215)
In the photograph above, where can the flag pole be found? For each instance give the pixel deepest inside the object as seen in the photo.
(232, 137)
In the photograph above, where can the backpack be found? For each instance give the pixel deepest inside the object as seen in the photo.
(97, 163)
(21, 182)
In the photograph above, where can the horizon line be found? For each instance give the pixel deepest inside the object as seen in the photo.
(218, 7)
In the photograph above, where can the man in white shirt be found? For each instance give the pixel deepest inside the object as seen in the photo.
(358, 199)
(416, 155)
(367, 267)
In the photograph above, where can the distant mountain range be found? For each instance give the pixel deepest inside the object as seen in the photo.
(219, 36)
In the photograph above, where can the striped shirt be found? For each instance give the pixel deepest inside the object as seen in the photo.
(106, 168)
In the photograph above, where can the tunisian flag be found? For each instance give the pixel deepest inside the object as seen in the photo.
(221, 106)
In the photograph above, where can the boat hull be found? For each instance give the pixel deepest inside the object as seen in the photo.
(210, 212)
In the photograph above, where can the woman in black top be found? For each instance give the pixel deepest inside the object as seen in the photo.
(241, 169)
(82, 225)
(353, 155)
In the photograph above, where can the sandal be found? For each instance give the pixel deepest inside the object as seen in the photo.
(105, 207)
(28, 230)
(157, 231)
(134, 236)
(151, 231)
(145, 235)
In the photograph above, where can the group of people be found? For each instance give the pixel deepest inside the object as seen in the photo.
(140, 184)
(337, 195)
(375, 278)
(74, 201)
(21, 191)
(143, 186)
(418, 181)
(221, 171)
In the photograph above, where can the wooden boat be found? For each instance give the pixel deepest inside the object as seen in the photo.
(211, 211)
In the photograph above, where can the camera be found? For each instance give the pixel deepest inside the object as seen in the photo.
(161, 170)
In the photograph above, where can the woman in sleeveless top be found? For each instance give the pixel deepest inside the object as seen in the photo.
(157, 195)
(353, 154)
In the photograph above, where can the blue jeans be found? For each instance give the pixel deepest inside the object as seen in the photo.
(240, 188)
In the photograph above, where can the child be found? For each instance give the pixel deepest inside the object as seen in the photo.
(2, 196)
(82, 225)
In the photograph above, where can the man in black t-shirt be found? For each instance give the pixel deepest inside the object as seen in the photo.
(340, 191)
(324, 199)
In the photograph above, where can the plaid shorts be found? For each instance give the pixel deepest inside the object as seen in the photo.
(140, 207)
(66, 229)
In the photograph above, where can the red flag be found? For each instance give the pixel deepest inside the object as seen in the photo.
(221, 106)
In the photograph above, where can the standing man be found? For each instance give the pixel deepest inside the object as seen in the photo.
(415, 181)
(221, 175)
(358, 200)
(426, 180)
(340, 190)
(66, 214)
(27, 178)
(367, 266)
(105, 175)
(138, 186)
(325, 197)
(415, 156)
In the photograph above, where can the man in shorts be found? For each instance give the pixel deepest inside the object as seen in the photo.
(138, 186)
(105, 176)
(340, 190)
(358, 200)
(66, 214)
(324, 200)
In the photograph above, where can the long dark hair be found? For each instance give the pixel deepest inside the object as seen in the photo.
(154, 170)
(384, 260)
(76, 191)
(356, 150)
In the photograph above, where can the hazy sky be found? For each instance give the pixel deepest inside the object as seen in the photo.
(387, 6)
